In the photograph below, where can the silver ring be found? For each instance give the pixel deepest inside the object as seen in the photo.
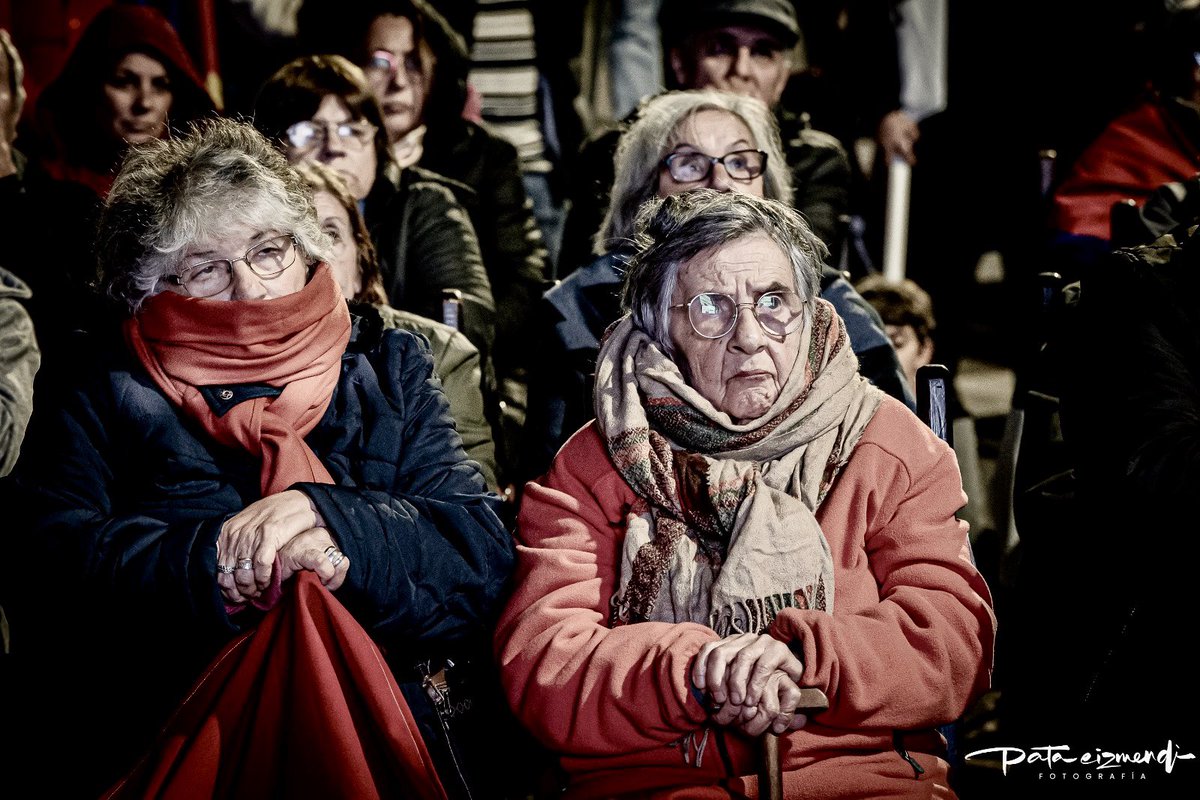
(224, 569)
(329, 551)
(245, 563)
(336, 557)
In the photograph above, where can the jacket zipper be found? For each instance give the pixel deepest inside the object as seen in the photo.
(898, 743)
(437, 689)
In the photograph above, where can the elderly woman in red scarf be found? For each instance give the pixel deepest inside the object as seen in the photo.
(747, 517)
(250, 469)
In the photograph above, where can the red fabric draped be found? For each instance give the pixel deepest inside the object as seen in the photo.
(1136, 153)
(295, 342)
(302, 706)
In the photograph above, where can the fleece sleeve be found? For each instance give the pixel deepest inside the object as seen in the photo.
(580, 686)
(919, 656)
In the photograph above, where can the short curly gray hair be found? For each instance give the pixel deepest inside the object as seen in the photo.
(675, 229)
(172, 192)
(657, 129)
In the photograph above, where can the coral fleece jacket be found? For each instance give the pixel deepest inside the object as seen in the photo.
(908, 647)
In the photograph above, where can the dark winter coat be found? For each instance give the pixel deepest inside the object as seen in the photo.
(502, 214)
(1107, 568)
(426, 244)
(122, 498)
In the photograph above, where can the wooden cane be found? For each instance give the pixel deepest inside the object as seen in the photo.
(770, 771)
(770, 768)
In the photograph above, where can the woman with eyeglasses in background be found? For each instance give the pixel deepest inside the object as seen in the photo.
(681, 141)
(319, 109)
(417, 65)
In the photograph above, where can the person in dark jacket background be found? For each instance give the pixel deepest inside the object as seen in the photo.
(249, 449)
(356, 270)
(319, 110)
(1129, 355)
(417, 67)
(128, 80)
(714, 140)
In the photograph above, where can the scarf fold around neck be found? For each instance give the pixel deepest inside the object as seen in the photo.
(293, 342)
(725, 533)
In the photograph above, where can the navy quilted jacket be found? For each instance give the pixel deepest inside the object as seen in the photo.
(122, 498)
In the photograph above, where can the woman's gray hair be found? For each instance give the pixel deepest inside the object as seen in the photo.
(657, 129)
(678, 228)
(170, 193)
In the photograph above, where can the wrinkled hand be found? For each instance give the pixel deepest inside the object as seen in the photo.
(898, 133)
(753, 680)
(307, 551)
(258, 532)
(775, 709)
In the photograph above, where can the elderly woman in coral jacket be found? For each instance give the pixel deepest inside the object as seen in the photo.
(746, 518)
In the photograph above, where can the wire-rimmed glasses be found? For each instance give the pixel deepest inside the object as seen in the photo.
(267, 259)
(310, 134)
(713, 314)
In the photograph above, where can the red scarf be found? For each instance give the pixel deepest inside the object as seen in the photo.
(295, 342)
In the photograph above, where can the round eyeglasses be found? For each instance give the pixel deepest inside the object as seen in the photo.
(741, 165)
(713, 314)
(267, 259)
(310, 134)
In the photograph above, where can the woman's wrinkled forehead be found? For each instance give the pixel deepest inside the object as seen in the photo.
(753, 261)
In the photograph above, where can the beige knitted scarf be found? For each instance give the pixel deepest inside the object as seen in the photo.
(725, 533)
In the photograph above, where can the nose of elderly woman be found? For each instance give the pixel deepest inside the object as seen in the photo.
(245, 284)
(747, 335)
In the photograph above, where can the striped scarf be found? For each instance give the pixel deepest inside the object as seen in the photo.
(725, 533)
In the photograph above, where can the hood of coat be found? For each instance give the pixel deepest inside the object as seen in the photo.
(66, 106)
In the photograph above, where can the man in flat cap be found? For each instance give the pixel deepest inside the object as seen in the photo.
(741, 46)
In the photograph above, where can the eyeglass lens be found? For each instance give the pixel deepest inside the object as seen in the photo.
(713, 315)
(307, 134)
(742, 165)
(381, 62)
(268, 259)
